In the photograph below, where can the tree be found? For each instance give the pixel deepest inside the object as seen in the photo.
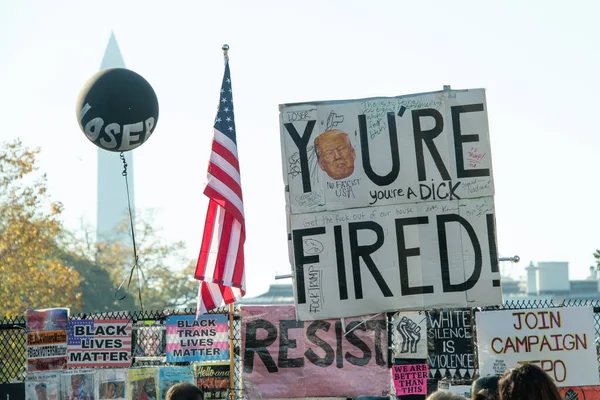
(33, 273)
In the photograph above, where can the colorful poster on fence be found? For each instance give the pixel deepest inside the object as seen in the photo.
(112, 383)
(203, 339)
(100, 343)
(149, 340)
(410, 333)
(452, 352)
(213, 379)
(284, 358)
(410, 379)
(46, 339)
(580, 393)
(143, 384)
(390, 203)
(42, 386)
(559, 340)
(169, 376)
(79, 384)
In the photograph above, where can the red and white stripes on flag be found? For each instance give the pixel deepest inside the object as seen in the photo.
(220, 267)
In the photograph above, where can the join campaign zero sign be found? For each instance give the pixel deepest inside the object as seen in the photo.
(390, 203)
(561, 341)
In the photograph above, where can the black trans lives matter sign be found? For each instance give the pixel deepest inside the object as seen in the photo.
(451, 348)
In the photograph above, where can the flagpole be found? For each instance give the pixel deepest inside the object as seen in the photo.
(232, 395)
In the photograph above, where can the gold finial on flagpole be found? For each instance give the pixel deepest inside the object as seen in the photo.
(225, 49)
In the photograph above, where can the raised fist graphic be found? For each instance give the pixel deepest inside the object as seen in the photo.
(571, 395)
(410, 332)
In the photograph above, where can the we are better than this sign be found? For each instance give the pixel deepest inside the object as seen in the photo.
(390, 203)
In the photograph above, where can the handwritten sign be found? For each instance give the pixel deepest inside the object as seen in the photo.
(100, 343)
(379, 259)
(452, 354)
(410, 333)
(191, 339)
(213, 379)
(287, 358)
(386, 151)
(559, 340)
(410, 379)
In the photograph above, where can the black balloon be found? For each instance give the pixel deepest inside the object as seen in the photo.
(117, 109)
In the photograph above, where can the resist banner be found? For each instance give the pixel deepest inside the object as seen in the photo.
(369, 260)
(100, 343)
(383, 151)
(560, 340)
(286, 358)
(191, 339)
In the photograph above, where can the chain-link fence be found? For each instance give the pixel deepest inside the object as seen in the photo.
(149, 335)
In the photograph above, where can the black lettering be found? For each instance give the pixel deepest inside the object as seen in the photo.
(311, 335)
(358, 343)
(302, 143)
(427, 137)
(300, 259)
(491, 231)
(285, 344)
(366, 157)
(404, 253)
(444, 262)
(459, 139)
(379, 327)
(259, 347)
(365, 252)
(339, 359)
(341, 264)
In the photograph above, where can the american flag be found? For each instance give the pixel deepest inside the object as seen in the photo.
(220, 267)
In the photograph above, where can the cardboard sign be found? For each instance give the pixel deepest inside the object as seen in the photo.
(100, 343)
(559, 340)
(425, 255)
(191, 339)
(386, 151)
(286, 358)
(410, 379)
(452, 354)
(410, 334)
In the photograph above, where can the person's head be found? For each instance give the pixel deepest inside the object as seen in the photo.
(527, 382)
(443, 395)
(184, 391)
(77, 383)
(335, 154)
(485, 388)
(111, 389)
(40, 391)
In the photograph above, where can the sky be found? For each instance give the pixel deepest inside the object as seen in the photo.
(537, 60)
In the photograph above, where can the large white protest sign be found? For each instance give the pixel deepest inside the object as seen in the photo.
(381, 151)
(390, 204)
(559, 340)
(367, 260)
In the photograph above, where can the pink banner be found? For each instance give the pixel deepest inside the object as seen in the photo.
(285, 358)
(410, 379)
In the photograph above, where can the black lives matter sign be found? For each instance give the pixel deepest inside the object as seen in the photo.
(390, 197)
(99, 343)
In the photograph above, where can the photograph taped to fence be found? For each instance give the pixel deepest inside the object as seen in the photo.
(559, 340)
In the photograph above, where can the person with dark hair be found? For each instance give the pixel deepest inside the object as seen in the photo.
(444, 395)
(527, 382)
(485, 388)
(184, 391)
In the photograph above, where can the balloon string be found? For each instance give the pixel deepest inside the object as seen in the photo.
(135, 255)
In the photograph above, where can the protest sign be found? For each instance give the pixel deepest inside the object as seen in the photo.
(42, 386)
(149, 339)
(452, 354)
(191, 339)
(169, 376)
(386, 151)
(410, 379)
(559, 340)
(213, 379)
(580, 393)
(284, 358)
(143, 384)
(46, 339)
(410, 334)
(100, 343)
(112, 383)
(78, 384)
(396, 257)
